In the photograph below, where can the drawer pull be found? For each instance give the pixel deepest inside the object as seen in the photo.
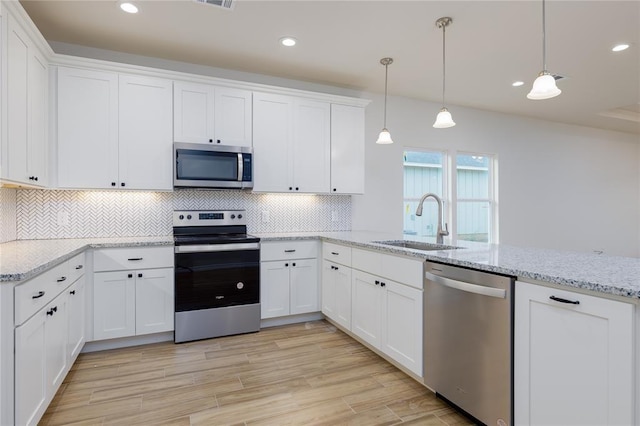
(377, 282)
(335, 253)
(130, 276)
(289, 251)
(61, 279)
(50, 312)
(561, 300)
(72, 292)
(79, 267)
(135, 258)
(382, 284)
(39, 295)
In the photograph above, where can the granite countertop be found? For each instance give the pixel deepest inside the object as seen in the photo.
(620, 276)
(601, 273)
(24, 259)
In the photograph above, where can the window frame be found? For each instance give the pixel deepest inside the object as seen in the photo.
(450, 189)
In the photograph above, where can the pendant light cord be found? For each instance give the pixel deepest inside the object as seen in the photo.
(544, 39)
(443, 62)
(386, 74)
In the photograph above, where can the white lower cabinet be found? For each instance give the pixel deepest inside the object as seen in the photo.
(132, 291)
(574, 358)
(289, 285)
(336, 293)
(47, 337)
(366, 307)
(132, 303)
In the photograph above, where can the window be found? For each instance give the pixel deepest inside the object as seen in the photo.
(468, 194)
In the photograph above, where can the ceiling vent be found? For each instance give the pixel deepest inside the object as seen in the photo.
(225, 4)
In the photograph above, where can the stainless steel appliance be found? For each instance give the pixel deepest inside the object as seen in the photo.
(217, 275)
(198, 165)
(468, 340)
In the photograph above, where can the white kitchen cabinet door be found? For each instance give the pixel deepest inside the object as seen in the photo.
(76, 319)
(145, 140)
(274, 289)
(56, 342)
(311, 146)
(573, 358)
(193, 113)
(366, 307)
(303, 276)
(336, 293)
(233, 116)
(272, 134)
(154, 300)
(30, 370)
(402, 325)
(347, 149)
(87, 129)
(114, 309)
(37, 145)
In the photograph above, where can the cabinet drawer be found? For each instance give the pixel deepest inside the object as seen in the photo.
(400, 269)
(34, 294)
(285, 250)
(76, 267)
(117, 259)
(337, 253)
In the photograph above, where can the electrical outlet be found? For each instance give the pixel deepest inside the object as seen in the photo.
(266, 216)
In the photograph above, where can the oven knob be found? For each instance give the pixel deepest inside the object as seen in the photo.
(239, 216)
(188, 217)
(240, 285)
(233, 216)
(181, 217)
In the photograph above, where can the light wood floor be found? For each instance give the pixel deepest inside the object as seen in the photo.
(301, 374)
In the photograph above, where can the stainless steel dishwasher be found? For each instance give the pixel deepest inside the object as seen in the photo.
(468, 340)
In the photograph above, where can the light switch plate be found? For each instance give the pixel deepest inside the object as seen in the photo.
(266, 216)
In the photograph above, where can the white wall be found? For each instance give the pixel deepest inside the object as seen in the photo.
(560, 186)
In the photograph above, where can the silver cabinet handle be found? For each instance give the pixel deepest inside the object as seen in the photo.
(468, 287)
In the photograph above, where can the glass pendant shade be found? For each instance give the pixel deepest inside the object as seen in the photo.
(384, 138)
(544, 87)
(444, 119)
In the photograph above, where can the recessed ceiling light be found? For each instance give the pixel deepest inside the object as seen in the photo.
(128, 7)
(620, 47)
(517, 83)
(288, 41)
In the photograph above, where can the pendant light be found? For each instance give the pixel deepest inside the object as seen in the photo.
(385, 137)
(544, 87)
(444, 119)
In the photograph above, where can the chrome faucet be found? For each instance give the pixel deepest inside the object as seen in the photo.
(440, 233)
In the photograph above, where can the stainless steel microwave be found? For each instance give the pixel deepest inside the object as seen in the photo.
(212, 166)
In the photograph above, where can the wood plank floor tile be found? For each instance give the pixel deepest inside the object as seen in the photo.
(86, 374)
(377, 416)
(161, 363)
(381, 395)
(154, 416)
(277, 405)
(325, 411)
(249, 394)
(419, 406)
(94, 411)
(117, 381)
(427, 420)
(141, 388)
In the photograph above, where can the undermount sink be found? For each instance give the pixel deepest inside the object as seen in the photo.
(416, 245)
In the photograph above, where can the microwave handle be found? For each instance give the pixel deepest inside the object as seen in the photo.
(240, 167)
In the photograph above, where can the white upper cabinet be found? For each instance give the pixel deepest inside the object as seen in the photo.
(87, 129)
(205, 113)
(145, 145)
(24, 151)
(114, 131)
(347, 149)
(291, 141)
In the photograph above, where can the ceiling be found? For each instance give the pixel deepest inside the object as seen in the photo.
(490, 44)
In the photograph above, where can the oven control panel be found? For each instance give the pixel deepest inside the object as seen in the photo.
(209, 217)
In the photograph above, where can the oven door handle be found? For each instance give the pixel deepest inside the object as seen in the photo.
(198, 248)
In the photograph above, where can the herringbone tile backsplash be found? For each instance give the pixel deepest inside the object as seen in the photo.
(7, 215)
(42, 214)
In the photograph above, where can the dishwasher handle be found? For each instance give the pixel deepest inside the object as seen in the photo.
(468, 287)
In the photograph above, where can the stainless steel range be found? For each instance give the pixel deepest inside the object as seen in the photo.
(217, 275)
